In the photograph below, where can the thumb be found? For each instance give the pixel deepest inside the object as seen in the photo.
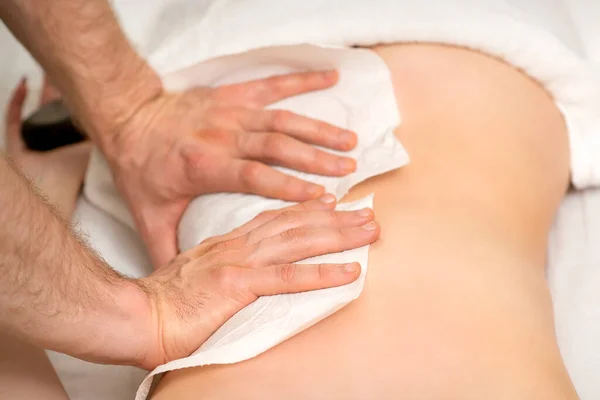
(14, 112)
(294, 278)
(160, 238)
(162, 248)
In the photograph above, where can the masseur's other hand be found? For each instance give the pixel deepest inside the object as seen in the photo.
(181, 145)
(204, 287)
(58, 173)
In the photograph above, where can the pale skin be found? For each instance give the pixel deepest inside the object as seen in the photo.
(164, 149)
(455, 305)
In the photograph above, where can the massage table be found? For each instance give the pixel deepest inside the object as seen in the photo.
(574, 247)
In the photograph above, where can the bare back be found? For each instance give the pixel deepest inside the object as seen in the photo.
(455, 304)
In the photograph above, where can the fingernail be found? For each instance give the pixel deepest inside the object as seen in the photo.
(371, 226)
(351, 268)
(315, 190)
(23, 81)
(365, 212)
(346, 165)
(327, 199)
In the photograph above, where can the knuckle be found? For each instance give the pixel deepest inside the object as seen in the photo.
(335, 216)
(280, 119)
(224, 245)
(216, 258)
(287, 217)
(294, 235)
(194, 158)
(209, 241)
(226, 276)
(250, 173)
(322, 271)
(331, 241)
(342, 235)
(321, 157)
(266, 215)
(253, 257)
(306, 205)
(223, 118)
(252, 237)
(243, 142)
(287, 272)
(223, 94)
(274, 144)
(203, 247)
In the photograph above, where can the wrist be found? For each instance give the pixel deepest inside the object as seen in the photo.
(139, 341)
(125, 337)
(83, 49)
(106, 113)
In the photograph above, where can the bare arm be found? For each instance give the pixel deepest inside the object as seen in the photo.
(25, 371)
(54, 291)
(88, 58)
(57, 294)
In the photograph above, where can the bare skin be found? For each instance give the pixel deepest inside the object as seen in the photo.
(25, 371)
(455, 305)
(56, 293)
(166, 148)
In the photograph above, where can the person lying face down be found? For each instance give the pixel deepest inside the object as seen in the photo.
(468, 321)
(449, 199)
(455, 304)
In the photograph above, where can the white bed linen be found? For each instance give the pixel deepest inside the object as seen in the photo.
(574, 253)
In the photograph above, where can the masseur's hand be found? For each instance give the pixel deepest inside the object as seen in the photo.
(204, 287)
(179, 145)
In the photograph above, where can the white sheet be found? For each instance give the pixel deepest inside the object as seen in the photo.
(574, 254)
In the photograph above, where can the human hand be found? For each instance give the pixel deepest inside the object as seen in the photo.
(202, 288)
(58, 173)
(181, 145)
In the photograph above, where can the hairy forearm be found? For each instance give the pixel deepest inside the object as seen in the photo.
(55, 292)
(81, 46)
